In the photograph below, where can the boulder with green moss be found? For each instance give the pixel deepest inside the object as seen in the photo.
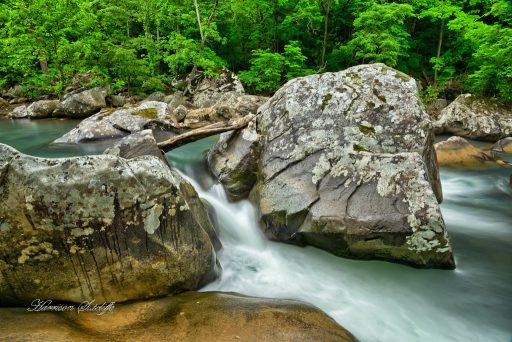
(100, 228)
(347, 164)
(117, 123)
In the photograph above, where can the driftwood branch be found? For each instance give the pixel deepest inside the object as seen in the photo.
(204, 132)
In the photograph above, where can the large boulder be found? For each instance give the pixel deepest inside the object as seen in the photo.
(474, 118)
(193, 316)
(19, 112)
(42, 109)
(112, 123)
(208, 91)
(503, 146)
(347, 164)
(99, 228)
(457, 151)
(82, 104)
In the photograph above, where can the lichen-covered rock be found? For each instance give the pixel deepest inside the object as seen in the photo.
(19, 112)
(228, 106)
(475, 118)
(503, 146)
(233, 161)
(97, 228)
(42, 109)
(156, 96)
(209, 90)
(110, 124)
(137, 144)
(117, 101)
(81, 105)
(347, 164)
(192, 316)
(3, 103)
(457, 151)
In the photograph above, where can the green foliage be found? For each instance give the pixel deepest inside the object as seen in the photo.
(136, 45)
(381, 35)
(269, 69)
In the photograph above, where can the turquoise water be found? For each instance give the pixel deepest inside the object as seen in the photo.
(377, 301)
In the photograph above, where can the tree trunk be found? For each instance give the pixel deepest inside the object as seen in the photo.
(204, 132)
(327, 9)
(438, 54)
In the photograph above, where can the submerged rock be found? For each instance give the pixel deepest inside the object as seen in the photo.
(42, 109)
(475, 118)
(110, 124)
(457, 151)
(192, 316)
(347, 164)
(98, 228)
(82, 104)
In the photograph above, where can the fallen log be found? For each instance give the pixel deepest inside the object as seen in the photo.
(206, 131)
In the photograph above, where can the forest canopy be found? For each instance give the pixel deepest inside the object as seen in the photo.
(452, 46)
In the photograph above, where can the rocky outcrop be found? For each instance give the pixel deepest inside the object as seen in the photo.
(111, 124)
(141, 143)
(347, 164)
(82, 104)
(233, 161)
(3, 103)
(42, 109)
(207, 91)
(156, 96)
(19, 112)
(457, 151)
(475, 118)
(98, 228)
(193, 316)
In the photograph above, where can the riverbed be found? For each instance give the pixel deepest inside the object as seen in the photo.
(376, 300)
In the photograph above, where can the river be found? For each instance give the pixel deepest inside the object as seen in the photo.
(377, 301)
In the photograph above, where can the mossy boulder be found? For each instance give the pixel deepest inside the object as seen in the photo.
(100, 228)
(117, 123)
(347, 164)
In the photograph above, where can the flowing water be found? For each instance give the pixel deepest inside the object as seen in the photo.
(377, 301)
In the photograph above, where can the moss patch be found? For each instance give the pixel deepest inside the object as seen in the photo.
(379, 96)
(147, 113)
(326, 100)
(366, 130)
(359, 148)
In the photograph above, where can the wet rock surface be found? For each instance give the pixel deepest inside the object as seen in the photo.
(98, 228)
(192, 316)
(347, 164)
(458, 152)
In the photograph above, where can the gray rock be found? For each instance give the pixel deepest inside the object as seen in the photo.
(81, 105)
(209, 91)
(42, 109)
(156, 96)
(99, 228)
(3, 103)
(180, 113)
(19, 112)
(135, 145)
(503, 146)
(475, 118)
(112, 123)
(18, 100)
(117, 100)
(233, 160)
(347, 164)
